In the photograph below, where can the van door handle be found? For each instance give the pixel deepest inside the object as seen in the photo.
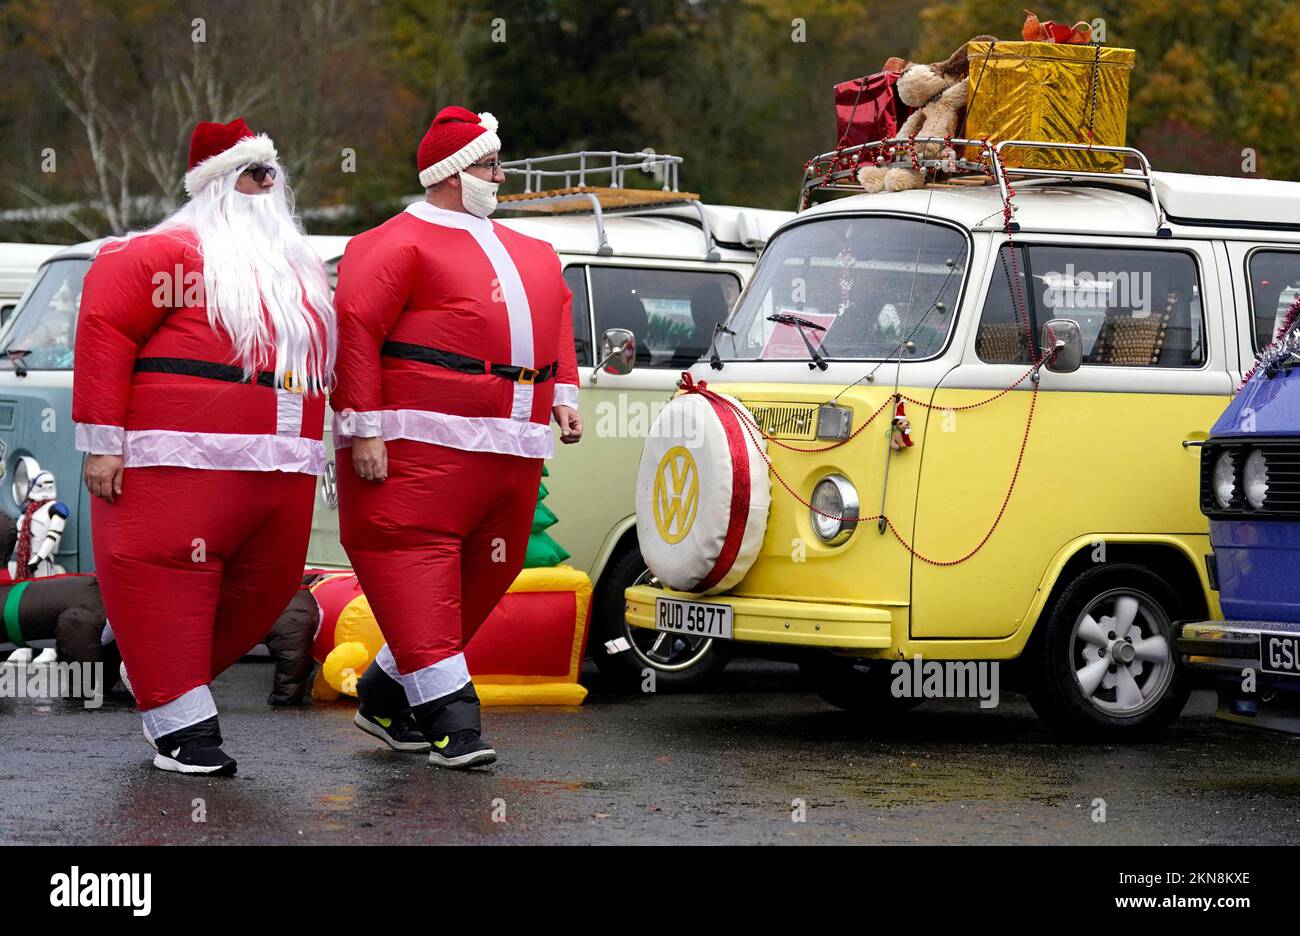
(1193, 443)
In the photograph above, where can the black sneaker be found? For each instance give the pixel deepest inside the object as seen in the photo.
(397, 731)
(194, 750)
(461, 750)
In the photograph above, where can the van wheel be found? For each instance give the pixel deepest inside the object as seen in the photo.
(854, 685)
(678, 662)
(1105, 667)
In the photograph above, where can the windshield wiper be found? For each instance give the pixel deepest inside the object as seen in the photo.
(15, 356)
(715, 359)
(785, 318)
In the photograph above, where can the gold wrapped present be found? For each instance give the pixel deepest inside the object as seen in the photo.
(1049, 93)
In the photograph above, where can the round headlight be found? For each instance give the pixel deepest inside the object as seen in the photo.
(834, 495)
(1225, 480)
(1254, 479)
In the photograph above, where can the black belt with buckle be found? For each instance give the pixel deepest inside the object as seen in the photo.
(466, 364)
(192, 367)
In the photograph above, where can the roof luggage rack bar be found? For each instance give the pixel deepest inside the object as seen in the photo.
(614, 166)
(1143, 174)
(579, 190)
(602, 242)
(830, 171)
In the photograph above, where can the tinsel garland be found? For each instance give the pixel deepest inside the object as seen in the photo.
(1284, 346)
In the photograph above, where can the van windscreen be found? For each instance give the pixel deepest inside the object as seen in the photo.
(45, 326)
(874, 287)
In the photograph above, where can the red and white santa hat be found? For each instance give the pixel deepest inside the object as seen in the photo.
(217, 148)
(457, 139)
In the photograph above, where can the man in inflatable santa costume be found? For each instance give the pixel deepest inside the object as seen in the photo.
(455, 349)
(204, 348)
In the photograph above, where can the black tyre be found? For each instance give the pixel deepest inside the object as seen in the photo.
(854, 685)
(1104, 667)
(678, 662)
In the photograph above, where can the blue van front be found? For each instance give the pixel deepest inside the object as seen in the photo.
(1250, 491)
(36, 396)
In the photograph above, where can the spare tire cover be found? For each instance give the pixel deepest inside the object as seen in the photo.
(702, 494)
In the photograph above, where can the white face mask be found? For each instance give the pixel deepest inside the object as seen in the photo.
(478, 197)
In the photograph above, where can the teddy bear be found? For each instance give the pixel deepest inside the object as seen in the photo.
(937, 92)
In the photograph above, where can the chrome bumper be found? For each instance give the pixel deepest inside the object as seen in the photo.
(1223, 652)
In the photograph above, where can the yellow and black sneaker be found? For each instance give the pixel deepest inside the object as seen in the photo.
(397, 731)
(461, 750)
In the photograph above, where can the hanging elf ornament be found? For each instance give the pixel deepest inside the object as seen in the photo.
(900, 430)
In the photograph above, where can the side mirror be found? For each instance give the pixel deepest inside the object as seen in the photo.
(25, 472)
(617, 351)
(1065, 337)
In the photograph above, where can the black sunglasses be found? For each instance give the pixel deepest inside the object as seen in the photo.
(260, 173)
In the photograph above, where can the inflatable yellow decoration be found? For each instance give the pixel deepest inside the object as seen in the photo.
(528, 651)
(345, 664)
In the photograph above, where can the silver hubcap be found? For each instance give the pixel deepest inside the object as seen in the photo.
(1120, 652)
(659, 650)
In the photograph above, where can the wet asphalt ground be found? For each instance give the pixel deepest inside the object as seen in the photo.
(731, 765)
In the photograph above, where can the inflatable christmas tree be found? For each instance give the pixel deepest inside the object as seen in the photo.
(543, 551)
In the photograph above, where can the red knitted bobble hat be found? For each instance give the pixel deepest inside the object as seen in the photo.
(457, 138)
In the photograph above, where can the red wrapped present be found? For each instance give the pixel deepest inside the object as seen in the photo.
(868, 108)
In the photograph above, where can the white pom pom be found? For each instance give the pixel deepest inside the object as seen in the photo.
(488, 122)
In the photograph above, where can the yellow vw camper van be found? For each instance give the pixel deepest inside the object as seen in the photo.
(1058, 342)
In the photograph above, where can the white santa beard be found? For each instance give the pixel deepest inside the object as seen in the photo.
(254, 258)
(255, 253)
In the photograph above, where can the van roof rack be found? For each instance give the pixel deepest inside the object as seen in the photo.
(576, 175)
(836, 171)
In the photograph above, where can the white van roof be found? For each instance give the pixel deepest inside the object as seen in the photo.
(1194, 205)
(19, 263)
(667, 231)
(1230, 201)
(731, 225)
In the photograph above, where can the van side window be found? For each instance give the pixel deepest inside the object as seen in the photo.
(575, 277)
(1135, 307)
(671, 312)
(1003, 331)
(1274, 286)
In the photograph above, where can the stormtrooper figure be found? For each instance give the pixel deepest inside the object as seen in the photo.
(40, 528)
(39, 531)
